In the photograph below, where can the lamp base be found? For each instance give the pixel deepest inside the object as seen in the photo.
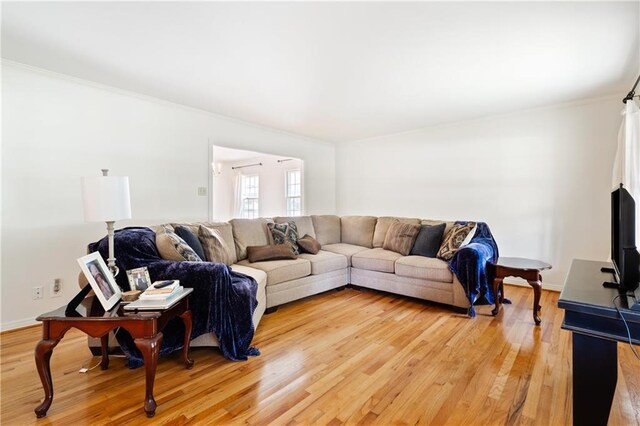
(111, 261)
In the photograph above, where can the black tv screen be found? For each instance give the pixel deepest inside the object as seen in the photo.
(624, 254)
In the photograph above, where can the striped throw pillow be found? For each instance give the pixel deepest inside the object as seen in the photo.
(400, 237)
(214, 246)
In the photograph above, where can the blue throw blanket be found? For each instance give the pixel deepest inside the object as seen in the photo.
(222, 301)
(470, 266)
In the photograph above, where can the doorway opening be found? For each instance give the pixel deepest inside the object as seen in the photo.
(251, 184)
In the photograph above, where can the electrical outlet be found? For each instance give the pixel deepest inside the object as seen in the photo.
(37, 292)
(202, 191)
(56, 288)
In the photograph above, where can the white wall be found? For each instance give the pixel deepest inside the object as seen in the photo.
(56, 129)
(272, 177)
(541, 179)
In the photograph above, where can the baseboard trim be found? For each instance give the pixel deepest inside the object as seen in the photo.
(30, 322)
(17, 325)
(545, 286)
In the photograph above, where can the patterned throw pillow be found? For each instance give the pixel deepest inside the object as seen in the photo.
(456, 238)
(285, 232)
(214, 246)
(172, 247)
(400, 237)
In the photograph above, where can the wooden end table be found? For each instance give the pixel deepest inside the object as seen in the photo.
(89, 317)
(528, 269)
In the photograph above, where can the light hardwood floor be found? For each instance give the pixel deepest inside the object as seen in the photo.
(341, 357)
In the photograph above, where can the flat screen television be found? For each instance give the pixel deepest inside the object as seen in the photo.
(624, 253)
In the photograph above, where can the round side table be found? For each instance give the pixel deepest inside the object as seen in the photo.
(528, 269)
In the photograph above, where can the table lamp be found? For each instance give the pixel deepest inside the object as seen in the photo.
(106, 199)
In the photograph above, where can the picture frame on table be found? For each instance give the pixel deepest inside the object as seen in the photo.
(139, 278)
(100, 279)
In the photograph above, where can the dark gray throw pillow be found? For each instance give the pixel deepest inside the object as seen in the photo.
(428, 240)
(189, 238)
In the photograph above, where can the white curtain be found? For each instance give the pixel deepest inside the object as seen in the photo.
(626, 169)
(237, 194)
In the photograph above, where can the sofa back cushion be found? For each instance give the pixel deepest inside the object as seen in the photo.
(357, 230)
(327, 229)
(225, 230)
(383, 224)
(304, 224)
(249, 232)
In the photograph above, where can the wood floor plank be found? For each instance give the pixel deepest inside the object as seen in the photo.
(357, 357)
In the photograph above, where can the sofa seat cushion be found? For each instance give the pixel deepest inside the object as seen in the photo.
(426, 268)
(279, 271)
(256, 274)
(344, 249)
(325, 261)
(376, 259)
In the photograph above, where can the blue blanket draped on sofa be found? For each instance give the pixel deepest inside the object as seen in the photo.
(470, 266)
(222, 301)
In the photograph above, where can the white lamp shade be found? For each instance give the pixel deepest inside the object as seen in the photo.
(106, 198)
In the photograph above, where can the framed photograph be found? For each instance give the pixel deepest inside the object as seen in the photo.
(139, 278)
(100, 279)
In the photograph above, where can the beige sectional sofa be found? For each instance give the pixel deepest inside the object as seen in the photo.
(351, 253)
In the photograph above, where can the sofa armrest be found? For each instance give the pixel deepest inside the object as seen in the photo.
(470, 264)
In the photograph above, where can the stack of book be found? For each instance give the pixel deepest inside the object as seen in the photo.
(159, 295)
(162, 290)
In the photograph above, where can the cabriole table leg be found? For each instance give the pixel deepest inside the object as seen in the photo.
(497, 289)
(150, 349)
(537, 291)
(186, 318)
(44, 350)
(104, 344)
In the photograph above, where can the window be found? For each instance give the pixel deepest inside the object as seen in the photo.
(293, 193)
(250, 191)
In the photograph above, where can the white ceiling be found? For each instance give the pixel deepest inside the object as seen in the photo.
(337, 71)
